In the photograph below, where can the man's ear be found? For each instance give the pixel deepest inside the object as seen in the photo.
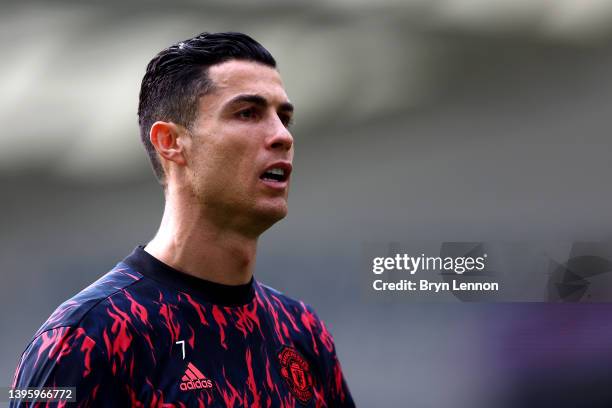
(165, 137)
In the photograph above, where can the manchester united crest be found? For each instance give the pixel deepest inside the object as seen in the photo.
(296, 372)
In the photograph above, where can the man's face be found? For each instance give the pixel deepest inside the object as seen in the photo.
(240, 154)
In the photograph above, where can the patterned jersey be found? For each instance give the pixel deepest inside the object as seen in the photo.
(148, 335)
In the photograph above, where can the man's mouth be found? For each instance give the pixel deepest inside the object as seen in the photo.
(277, 173)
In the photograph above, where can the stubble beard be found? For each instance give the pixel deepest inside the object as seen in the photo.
(235, 211)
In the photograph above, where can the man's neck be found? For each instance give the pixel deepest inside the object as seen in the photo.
(190, 243)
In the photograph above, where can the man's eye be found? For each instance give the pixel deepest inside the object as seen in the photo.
(287, 120)
(246, 114)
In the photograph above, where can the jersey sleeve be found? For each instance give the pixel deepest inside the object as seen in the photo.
(68, 357)
(336, 389)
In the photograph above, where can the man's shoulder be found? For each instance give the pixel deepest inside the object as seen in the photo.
(277, 297)
(89, 303)
(280, 301)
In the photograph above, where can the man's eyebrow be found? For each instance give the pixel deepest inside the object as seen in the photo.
(260, 101)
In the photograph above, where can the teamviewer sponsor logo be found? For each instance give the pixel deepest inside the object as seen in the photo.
(194, 379)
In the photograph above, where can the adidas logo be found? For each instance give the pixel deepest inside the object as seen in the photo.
(194, 379)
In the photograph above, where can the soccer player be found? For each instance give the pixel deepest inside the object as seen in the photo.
(181, 321)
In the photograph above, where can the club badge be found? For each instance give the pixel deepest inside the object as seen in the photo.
(296, 372)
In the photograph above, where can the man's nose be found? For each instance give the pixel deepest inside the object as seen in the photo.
(281, 137)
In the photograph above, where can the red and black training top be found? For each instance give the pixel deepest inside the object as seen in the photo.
(147, 335)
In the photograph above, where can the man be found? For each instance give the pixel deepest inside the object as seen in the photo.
(181, 321)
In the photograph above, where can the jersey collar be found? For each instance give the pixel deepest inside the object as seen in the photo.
(212, 292)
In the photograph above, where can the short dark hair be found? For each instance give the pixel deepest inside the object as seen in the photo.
(178, 76)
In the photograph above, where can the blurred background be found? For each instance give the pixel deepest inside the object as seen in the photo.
(466, 120)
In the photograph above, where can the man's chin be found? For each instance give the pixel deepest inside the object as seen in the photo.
(271, 214)
(275, 214)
